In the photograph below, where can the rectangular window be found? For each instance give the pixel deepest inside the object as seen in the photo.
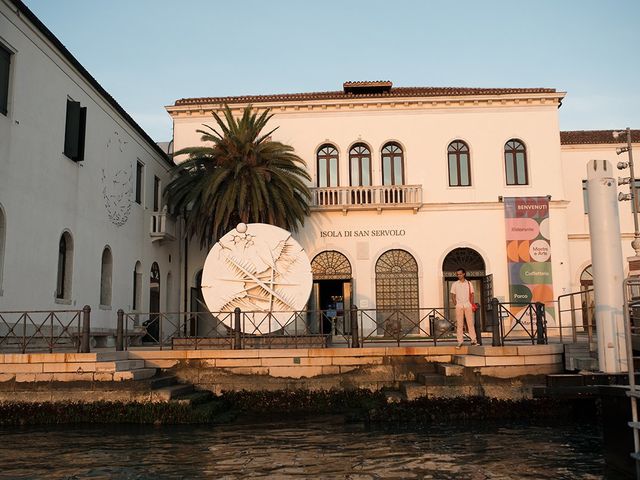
(585, 196)
(156, 194)
(5, 62)
(139, 182)
(74, 131)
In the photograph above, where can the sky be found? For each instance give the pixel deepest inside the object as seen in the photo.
(149, 53)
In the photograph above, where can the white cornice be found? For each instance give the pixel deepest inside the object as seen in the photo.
(378, 104)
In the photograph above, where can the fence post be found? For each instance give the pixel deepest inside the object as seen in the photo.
(540, 324)
(355, 336)
(86, 329)
(477, 326)
(496, 340)
(237, 344)
(119, 331)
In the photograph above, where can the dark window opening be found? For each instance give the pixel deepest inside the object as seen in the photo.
(74, 132)
(139, 174)
(5, 62)
(156, 194)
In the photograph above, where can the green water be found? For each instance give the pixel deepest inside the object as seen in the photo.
(297, 449)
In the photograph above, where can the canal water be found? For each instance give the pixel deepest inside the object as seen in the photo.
(303, 449)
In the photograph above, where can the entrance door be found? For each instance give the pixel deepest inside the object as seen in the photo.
(331, 296)
(332, 300)
(474, 265)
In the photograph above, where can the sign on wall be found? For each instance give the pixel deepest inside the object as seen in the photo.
(528, 250)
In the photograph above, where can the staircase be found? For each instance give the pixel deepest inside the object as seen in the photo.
(166, 388)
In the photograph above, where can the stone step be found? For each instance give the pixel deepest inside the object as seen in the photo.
(430, 379)
(194, 398)
(413, 390)
(165, 394)
(469, 360)
(450, 370)
(163, 381)
(137, 374)
(588, 363)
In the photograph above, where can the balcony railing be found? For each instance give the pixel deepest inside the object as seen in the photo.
(367, 198)
(163, 226)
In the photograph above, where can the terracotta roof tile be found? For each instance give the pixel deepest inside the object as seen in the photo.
(578, 137)
(341, 95)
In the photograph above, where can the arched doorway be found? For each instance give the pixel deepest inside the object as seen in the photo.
(474, 265)
(331, 293)
(397, 289)
(153, 324)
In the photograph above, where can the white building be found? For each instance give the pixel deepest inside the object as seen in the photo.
(80, 186)
(408, 185)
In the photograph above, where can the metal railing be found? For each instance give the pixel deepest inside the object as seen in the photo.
(631, 312)
(45, 330)
(518, 322)
(366, 197)
(321, 328)
(581, 317)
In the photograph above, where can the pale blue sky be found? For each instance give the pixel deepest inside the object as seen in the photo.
(148, 53)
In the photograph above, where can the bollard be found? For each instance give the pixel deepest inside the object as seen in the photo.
(540, 324)
(355, 336)
(119, 331)
(477, 326)
(86, 329)
(237, 344)
(496, 339)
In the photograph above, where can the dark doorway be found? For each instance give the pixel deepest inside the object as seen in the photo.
(333, 299)
(474, 265)
(153, 323)
(331, 295)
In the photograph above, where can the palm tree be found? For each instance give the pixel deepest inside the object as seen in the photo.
(242, 176)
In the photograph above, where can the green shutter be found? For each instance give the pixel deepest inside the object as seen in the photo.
(5, 61)
(82, 130)
(72, 130)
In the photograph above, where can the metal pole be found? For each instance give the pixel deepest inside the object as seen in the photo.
(119, 331)
(355, 340)
(86, 328)
(237, 344)
(540, 323)
(496, 341)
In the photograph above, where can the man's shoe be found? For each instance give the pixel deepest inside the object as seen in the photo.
(459, 345)
(473, 344)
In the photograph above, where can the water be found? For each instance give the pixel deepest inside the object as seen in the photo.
(322, 448)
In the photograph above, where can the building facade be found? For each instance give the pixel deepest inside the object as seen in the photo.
(409, 184)
(81, 218)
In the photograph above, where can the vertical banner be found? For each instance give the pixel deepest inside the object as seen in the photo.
(529, 250)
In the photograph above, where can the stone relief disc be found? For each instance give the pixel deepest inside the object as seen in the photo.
(260, 269)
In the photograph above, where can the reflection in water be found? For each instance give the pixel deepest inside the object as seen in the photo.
(310, 449)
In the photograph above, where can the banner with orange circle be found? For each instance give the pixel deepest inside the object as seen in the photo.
(529, 250)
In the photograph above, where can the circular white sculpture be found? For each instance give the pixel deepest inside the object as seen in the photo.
(262, 270)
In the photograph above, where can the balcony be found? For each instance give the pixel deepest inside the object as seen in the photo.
(163, 226)
(385, 197)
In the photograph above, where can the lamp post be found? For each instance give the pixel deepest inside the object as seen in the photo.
(634, 262)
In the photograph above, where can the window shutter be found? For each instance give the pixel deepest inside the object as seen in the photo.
(81, 133)
(5, 60)
(72, 130)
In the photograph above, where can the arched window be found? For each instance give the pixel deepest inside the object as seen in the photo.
(397, 298)
(515, 160)
(331, 265)
(3, 228)
(137, 287)
(65, 267)
(459, 164)
(327, 166)
(360, 165)
(154, 289)
(392, 164)
(106, 273)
